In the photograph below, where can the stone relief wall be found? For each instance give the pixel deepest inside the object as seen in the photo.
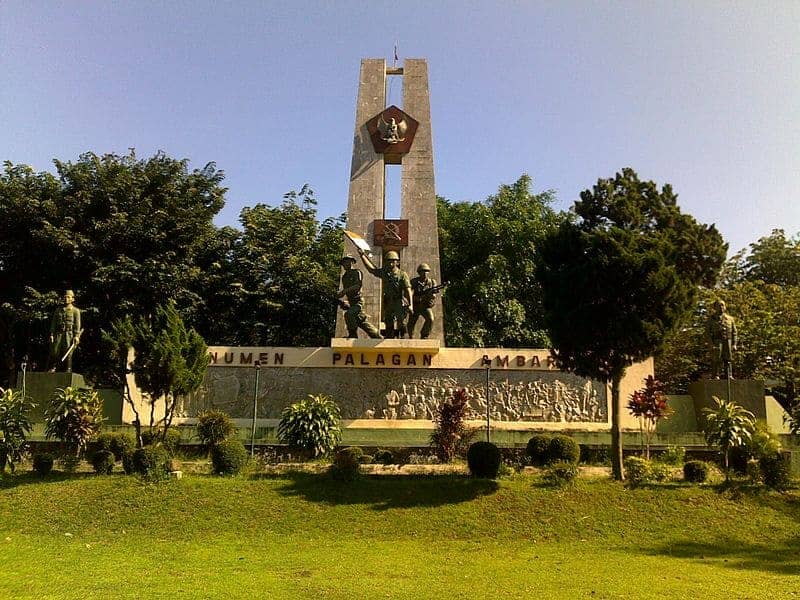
(404, 394)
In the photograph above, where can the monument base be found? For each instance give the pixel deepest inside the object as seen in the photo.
(40, 387)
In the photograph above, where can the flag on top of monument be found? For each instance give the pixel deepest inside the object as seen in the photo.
(359, 242)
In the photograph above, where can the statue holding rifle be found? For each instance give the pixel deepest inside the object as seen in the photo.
(396, 290)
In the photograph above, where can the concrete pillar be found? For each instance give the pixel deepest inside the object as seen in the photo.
(418, 195)
(365, 201)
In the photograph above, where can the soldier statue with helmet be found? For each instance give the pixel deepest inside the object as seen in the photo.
(354, 316)
(424, 289)
(396, 292)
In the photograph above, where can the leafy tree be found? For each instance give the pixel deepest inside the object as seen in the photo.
(649, 405)
(618, 279)
(311, 425)
(280, 280)
(451, 436)
(124, 233)
(728, 426)
(15, 426)
(170, 361)
(74, 416)
(487, 249)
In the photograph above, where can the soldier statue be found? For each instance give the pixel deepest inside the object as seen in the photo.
(65, 334)
(354, 316)
(721, 331)
(396, 298)
(424, 290)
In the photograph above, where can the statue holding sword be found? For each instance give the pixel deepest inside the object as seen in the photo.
(65, 334)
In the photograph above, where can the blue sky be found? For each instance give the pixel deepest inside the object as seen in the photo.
(703, 95)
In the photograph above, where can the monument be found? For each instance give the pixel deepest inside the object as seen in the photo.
(390, 381)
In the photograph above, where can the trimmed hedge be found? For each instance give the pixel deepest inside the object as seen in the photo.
(228, 457)
(563, 448)
(43, 463)
(150, 462)
(347, 464)
(775, 471)
(483, 459)
(695, 471)
(538, 449)
(103, 462)
(170, 444)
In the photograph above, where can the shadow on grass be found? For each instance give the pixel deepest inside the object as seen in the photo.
(386, 491)
(781, 557)
(30, 478)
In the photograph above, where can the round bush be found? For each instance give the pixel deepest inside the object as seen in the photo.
(774, 469)
(43, 463)
(637, 470)
(383, 456)
(660, 471)
(484, 460)
(538, 449)
(214, 427)
(561, 473)
(228, 457)
(346, 463)
(151, 462)
(695, 471)
(563, 448)
(103, 462)
(122, 443)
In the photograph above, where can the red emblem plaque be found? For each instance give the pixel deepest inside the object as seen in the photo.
(392, 132)
(392, 233)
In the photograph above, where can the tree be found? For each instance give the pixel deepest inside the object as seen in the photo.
(278, 286)
(487, 249)
(617, 280)
(649, 405)
(74, 416)
(728, 426)
(15, 426)
(170, 361)
(124, 233)
(759, 290)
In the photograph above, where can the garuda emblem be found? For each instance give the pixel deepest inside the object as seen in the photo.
(392, 132)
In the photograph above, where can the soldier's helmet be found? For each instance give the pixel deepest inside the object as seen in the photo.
(392, 255)
(347, 258)
(423, 267)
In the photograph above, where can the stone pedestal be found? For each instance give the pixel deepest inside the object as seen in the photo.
(41, 386)
(746, 393)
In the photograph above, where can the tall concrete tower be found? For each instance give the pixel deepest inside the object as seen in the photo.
(394, 136)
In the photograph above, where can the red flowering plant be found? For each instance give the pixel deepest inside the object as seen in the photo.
(649, 404)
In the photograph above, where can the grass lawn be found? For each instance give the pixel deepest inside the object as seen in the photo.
(302, 535)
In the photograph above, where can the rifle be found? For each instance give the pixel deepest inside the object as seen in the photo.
(434, 289)
(342, 304)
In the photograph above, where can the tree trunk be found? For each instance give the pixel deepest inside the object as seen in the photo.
(616, 431)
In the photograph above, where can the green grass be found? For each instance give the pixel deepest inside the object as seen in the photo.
(307, 536)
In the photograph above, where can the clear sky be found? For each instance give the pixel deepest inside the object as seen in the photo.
(701, 94)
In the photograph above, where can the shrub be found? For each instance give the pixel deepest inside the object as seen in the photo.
(673, 455)
(483, 459)
(15, 425)
(695, 471)
(127, 463)
(70, 462)
(383, 456)
(347, 463)
(214, 427)
(228, 457)
(150, 462)
(538, 449)
(103, 462)
(451, 435)
(774, 468)
(74, 417)
(650, 405)
(563, 448)
(727, 426)
(116, 443)
(660, 471)
(637, 470)
(43, 463)
(561, 473)
(171, 442)
(311, 425)
(762, 442)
